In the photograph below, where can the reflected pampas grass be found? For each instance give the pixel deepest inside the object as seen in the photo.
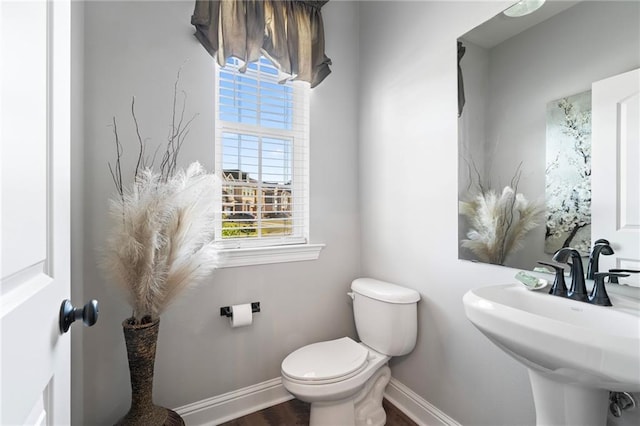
(499, 223)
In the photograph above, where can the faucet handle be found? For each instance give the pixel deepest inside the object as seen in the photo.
(559, 287)
(613, 279)
(599, 294)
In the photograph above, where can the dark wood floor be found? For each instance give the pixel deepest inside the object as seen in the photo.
(296, 413)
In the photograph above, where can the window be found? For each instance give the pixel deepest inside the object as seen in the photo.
(262, 138)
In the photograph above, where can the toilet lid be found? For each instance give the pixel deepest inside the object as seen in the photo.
(325, 360)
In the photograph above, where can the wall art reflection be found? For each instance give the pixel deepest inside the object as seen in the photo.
(568, 173)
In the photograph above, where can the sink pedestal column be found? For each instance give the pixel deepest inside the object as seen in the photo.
(560, 403)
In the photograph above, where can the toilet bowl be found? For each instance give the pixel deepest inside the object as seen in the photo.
(330, 370)
(344, 380)
(337, 377)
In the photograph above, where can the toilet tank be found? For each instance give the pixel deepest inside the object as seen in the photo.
(386, 315)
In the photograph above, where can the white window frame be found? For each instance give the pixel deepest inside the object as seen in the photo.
(245, 251)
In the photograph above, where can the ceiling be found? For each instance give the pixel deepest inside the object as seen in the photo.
(501, 27)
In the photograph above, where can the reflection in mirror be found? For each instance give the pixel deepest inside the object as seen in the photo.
(524, 132)
(568, 174)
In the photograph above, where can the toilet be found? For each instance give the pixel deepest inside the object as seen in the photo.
(344, 380)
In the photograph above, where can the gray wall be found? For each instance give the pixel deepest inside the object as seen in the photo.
(409, 155)
(408, 152)
(136, 48)
(77, 202)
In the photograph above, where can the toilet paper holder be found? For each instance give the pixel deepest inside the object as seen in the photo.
(225, 311)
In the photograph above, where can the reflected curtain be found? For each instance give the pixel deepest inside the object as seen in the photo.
(288, 32)
(461, 98)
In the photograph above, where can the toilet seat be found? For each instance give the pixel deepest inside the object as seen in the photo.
(326, 362)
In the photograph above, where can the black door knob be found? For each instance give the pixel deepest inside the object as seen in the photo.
(68, 314)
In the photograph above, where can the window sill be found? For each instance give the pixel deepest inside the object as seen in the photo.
(231, 258)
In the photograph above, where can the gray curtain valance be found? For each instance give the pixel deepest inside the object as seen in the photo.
(288, 32)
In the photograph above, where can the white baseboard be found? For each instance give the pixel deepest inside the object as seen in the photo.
(238, 403)
(234, 404)
(415, 407)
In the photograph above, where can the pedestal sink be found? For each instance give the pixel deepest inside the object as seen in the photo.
(575, 352)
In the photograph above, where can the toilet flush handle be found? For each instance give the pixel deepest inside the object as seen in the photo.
(352, 295)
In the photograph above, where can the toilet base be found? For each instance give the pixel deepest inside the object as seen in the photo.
(368, 404)
(332, 413)
(363, 409)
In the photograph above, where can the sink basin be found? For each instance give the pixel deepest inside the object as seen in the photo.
(570, 348)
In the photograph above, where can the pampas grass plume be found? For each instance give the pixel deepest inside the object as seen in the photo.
(161, 237)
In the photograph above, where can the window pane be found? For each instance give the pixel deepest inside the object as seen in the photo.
(255, 143)
(255, 97)
(277, 160)
(257, 174)
(240, 153)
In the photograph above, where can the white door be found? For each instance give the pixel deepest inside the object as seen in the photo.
(615, 179)
(34, 211)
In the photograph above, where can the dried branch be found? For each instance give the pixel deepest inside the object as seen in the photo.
(169, 160)
(116, 174)
(471, 164)
(142, 145)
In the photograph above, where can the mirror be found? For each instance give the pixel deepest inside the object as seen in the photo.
(525, 124)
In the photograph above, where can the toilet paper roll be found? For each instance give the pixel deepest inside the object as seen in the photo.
(242, 315)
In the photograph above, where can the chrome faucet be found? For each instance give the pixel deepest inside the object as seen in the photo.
(603, 247)
(578, 290)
